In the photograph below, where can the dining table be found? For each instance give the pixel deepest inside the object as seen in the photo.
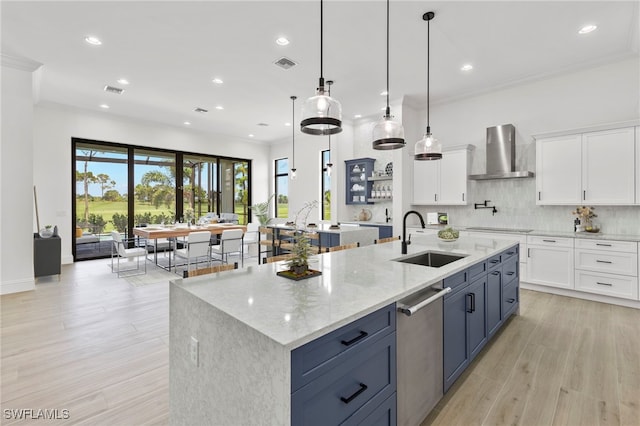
(173, 232)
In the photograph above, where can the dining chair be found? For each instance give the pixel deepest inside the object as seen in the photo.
(230, 242)
(343, 247)
(195, 245)
(386, 240)
(210, 270)
(252, 237)
(119, 250)
(268, 240)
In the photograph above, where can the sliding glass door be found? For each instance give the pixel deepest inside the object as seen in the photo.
(117, 187)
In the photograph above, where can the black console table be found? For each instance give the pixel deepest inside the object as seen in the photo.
(46, 256)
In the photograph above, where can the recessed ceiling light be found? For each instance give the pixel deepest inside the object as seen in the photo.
(357, 116)
(282, 41)
(287, 124)
(187, 123)
(466, 67)
(587, 29)
(93, 40)
(250, 135)
(383, 108)
(383, 93)
(105, 106)
(219, 107)
(217, 81)
(123, 81)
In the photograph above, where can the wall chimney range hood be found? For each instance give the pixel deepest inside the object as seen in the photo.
(501, 155)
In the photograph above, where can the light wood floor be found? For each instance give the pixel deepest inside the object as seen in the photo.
(98, 347)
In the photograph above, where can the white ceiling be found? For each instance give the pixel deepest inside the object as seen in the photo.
(171, 50)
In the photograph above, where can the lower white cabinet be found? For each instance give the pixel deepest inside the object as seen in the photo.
(550, 261)
(607, 267)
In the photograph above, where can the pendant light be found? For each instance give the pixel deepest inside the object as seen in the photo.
(428, 148)
(293, 138)
(387, 133)
(329, 165)
(321, 115)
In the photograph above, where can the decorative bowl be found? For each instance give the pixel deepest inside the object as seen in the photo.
(447, 240)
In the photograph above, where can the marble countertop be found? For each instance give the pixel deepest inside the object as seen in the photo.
(366, 222)
(353, 284)
(323, 227)
(540, 233)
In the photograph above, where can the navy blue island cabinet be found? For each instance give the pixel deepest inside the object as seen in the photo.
(482, 298)
(347, 377)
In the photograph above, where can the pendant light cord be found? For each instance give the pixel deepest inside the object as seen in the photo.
(321, 45)
(388, 111)
(428, 53)
(293, 131)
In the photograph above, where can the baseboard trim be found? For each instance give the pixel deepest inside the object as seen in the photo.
(581, 295)
(67, 260)
(17, 286)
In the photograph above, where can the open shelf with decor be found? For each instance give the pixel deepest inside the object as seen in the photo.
(358, 186)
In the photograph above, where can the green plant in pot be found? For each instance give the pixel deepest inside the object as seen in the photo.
(299, 263)
(261, 210)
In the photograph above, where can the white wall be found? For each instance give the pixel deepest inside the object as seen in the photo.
(17, 207)
(604, 94)
(55, 125)
(307, 186)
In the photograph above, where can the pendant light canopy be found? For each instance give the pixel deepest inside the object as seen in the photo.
(387, 133)
(428, 148)
(293, 138)
(321, 114)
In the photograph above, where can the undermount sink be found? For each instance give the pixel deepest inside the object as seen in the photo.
(430, 258)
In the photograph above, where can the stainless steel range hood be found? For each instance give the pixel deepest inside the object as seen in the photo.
(501, 155)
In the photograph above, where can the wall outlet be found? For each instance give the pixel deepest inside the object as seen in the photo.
(193, 351)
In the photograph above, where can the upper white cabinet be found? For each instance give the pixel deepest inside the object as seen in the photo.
(638, 165)
(587, 168)
(442, 182)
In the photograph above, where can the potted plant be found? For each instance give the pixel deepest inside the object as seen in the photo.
(299, 263)
(261, 210)
(586, 215)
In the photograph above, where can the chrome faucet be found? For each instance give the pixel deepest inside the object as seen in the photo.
(406, 242)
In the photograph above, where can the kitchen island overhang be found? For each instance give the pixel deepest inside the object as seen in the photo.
(248, 321)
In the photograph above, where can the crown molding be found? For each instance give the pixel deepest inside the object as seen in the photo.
(19, 62)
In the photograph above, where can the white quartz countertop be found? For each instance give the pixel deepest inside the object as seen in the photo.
(353, 284)
(323, 227)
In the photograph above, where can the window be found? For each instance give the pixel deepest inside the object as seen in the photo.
(282, 187)
(326, 185)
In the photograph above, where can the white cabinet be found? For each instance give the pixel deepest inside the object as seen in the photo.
(442, 182)
(550, 261)
(608, 166)
(607, 267)
(558, 170)
(594, 168)
(638, 165)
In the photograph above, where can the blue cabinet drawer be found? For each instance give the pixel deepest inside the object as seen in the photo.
(320, 356)
(456, 282)
(494, 261)
(477, 270)
(366, 378)
(510, 253)
(510, 271)
(510, 298)
(383, 415)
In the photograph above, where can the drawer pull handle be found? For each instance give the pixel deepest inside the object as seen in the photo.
(549, 241)
(511, 300)
(495, 261)
(511, 253)
(603, 261)
(603, 245)
(510, 273)
(361, 336)
(607, 284)
(472, 303)
(363, 388)
(495, 273)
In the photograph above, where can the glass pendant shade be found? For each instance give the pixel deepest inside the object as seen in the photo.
(321, 115)
(388, 134)
(428, 148)
(293, 174)
(329, 167)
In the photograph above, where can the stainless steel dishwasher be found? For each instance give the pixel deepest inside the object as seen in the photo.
(419, 354)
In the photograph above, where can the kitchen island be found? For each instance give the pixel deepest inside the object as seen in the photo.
(232, 334)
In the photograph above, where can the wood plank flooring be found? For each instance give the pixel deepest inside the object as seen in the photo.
(98, 346)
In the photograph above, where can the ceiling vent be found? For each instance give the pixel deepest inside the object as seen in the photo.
(285, 63)
(200, 110)
(263, 124)
(112, 89)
